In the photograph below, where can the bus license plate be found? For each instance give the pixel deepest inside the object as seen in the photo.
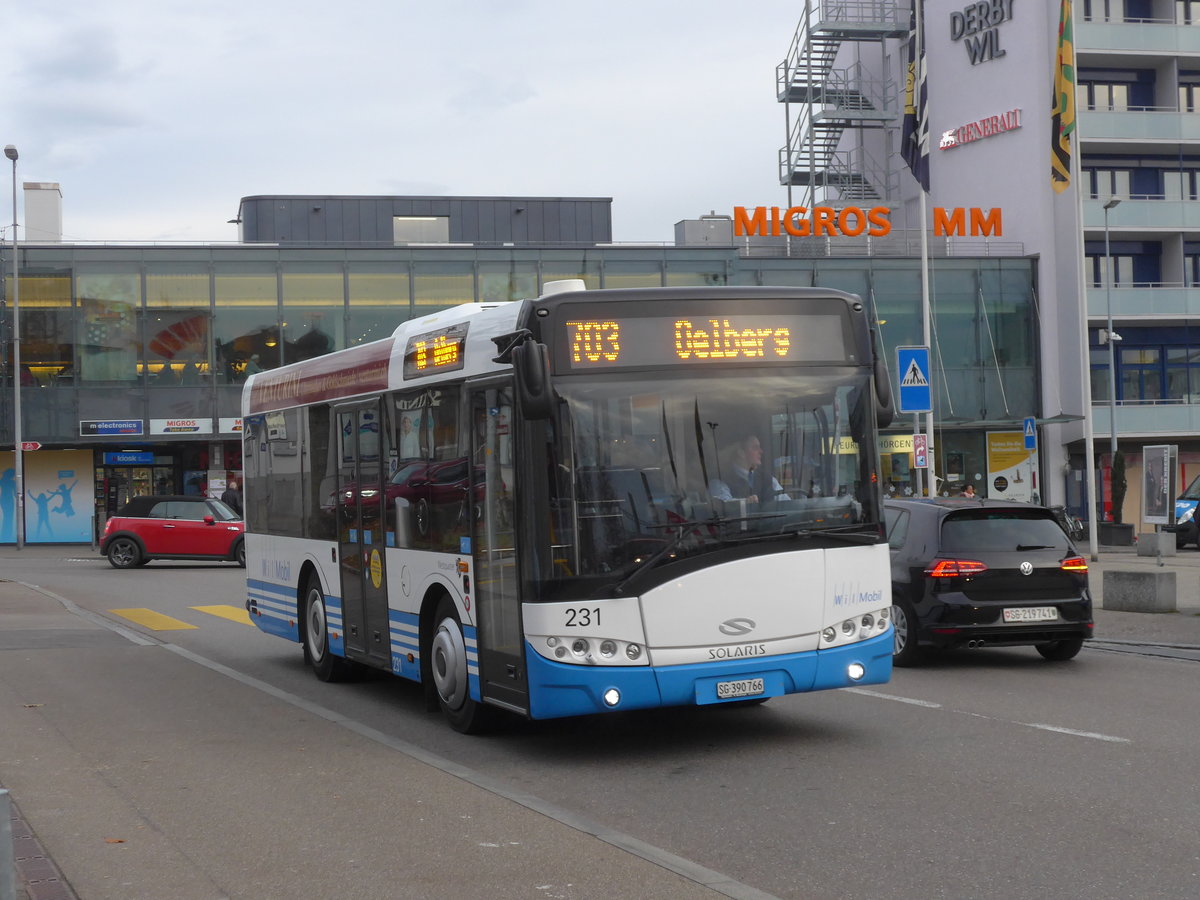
(1031, 614)
(747, 687)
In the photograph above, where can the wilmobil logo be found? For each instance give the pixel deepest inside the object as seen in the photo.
(853, 595)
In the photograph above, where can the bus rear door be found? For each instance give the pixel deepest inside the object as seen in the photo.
(493, 543)
(361, 532)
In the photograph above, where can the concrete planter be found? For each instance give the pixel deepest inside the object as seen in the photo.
(1116, 534)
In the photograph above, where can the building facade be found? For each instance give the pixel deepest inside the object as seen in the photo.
(1120, 245)
(133, 357)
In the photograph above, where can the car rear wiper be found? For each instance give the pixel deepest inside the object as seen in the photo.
(1035, 546)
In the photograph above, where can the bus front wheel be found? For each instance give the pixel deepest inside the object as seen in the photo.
(325, 665)
(448, 665)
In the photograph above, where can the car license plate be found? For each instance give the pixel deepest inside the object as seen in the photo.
(747, 687)
(1031, 614)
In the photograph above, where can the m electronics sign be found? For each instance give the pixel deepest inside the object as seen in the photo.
(95, 427)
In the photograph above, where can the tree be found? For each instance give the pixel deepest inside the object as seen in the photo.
(1118, 486)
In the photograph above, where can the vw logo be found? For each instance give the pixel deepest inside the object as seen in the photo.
(736, 627)
(1026, 568)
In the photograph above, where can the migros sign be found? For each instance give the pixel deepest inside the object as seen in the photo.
(852, 221)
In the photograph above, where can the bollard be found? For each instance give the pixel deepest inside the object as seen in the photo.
(8, 875)
(1145, 590)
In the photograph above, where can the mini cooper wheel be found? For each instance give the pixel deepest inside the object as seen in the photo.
(124, 553)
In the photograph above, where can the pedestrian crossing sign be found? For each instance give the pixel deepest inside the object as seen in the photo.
(916, 395)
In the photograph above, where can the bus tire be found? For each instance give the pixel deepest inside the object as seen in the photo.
(448, 666)
(317, 654)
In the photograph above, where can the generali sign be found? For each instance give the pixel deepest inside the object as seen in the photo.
(852, 221)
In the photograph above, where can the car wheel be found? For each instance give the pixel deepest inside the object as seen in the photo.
(1060, 651)
(124, 553)
(239, 553)
(325, 664)
(907, 651)
(448, 664)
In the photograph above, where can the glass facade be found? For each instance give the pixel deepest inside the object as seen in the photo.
(154, 335)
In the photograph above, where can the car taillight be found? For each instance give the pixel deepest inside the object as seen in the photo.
(952, 568)
(1074, 564)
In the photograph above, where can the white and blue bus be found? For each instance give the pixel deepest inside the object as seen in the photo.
(585, 502)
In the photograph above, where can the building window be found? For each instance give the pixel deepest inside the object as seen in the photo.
(1187, 12)
(1104, 184)
(1181, 185)
(421, 229)
(1183, 374)
(1141, 374)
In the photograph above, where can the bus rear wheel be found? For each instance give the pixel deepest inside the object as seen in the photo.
(317, 654)
(448, 665)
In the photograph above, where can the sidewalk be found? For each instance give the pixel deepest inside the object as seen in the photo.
(143, 774)
(1178, 628)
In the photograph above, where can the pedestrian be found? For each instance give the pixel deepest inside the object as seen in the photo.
(232, 496)
(969, 491)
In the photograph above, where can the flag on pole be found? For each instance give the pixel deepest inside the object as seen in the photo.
(1062, 123)
(914, 138)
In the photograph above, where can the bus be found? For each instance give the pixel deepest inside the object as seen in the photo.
(545, 507)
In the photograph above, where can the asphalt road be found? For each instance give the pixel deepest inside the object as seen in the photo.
(225, 769)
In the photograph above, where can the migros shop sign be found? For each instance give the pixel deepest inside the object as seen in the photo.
(852, 221)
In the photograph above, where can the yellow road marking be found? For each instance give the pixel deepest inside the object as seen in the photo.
(232, 613)
(148, 618)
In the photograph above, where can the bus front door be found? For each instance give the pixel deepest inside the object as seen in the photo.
(361, 536)
(493, 542)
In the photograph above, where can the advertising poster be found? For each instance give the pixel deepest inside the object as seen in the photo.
(1158, 488)
(1010, 467)
(58, 497)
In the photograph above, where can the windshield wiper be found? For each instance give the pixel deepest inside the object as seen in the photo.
(849, 537)
(1035, 546)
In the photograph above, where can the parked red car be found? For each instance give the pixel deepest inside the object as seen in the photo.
(173, 527)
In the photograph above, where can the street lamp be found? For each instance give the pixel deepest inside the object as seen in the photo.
(1112, 340)
(18, 463)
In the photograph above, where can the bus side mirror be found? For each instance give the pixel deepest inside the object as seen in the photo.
(531, 369)
(885, 410)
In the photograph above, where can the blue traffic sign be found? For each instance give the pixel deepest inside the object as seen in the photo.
(1030, 433)
(916, 396)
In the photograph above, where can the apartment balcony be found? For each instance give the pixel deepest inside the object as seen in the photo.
(1142, 214)
(1115, 130)
(1161, 419)
(1126, 38)
(1145, 302)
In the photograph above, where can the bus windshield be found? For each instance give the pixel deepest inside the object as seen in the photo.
(647, 473)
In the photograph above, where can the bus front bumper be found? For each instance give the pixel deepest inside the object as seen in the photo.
(558, 689)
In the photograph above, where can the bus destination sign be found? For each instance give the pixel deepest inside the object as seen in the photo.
(444, 350)
(703, 340)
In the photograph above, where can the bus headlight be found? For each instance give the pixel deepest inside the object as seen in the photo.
(612, 697)
(590, 651)
(855, 671)
(860, 628)
(608, 649)
(579, 646)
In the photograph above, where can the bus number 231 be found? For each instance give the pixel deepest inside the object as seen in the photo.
(582, 617)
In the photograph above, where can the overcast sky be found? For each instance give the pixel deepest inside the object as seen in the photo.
(157, 117)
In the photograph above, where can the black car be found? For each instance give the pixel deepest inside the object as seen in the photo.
(976, 573)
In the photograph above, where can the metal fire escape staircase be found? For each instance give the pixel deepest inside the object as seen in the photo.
(824, 102)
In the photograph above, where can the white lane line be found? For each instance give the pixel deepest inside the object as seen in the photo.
(1091, 735)
(1086, 734)
(883, 696)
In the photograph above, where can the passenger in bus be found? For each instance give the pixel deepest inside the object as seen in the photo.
(740, 475)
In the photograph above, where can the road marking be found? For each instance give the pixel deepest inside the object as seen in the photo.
(883, 696)
(1092, 735)
(232, 613)
(148, 618)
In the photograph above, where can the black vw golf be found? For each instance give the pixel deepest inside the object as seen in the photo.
(976, 573)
